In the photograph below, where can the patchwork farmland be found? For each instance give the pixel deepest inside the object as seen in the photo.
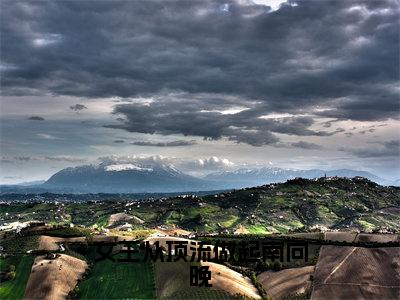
(44, 259)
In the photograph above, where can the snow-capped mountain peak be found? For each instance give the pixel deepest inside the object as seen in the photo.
(125, 167)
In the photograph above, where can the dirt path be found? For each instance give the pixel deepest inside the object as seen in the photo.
(340, 264)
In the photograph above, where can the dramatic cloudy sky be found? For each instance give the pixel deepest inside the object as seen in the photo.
(300, 84)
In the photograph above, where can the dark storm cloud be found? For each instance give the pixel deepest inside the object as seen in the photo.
(78, 107)
(340, 55)
(201, 116)
(339, 130)
(366, 131)
(6, 159)
(306, 145)
(178, 143)
(22, 159)
(36, 118)
(386, 149)
(64, 158)
(349, 134)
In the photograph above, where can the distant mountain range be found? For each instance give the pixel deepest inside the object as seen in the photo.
(259, 176)
(163, 178)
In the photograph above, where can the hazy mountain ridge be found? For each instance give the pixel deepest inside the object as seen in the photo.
(125, 178)
(156, 177)
(259, 176)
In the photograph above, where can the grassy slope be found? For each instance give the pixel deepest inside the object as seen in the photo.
(337, 203)
(20, 244)
(203, 293)
(15, 289)
(116, 280)
(102, 221)
(295, 204)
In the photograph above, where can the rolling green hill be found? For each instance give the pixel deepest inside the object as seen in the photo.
(297, 205)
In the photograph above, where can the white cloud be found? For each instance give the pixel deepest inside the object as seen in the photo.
(47, 136)
(46, 40)
(214, 162)
(191, 166)
(274, 4)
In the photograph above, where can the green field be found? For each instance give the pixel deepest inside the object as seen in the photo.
(20, 244)
(172, 279)
(257, 229)
(118, 280)
(102, 221)
(15, 288)
(203, 293)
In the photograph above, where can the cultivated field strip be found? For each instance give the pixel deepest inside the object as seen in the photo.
(357, 272)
